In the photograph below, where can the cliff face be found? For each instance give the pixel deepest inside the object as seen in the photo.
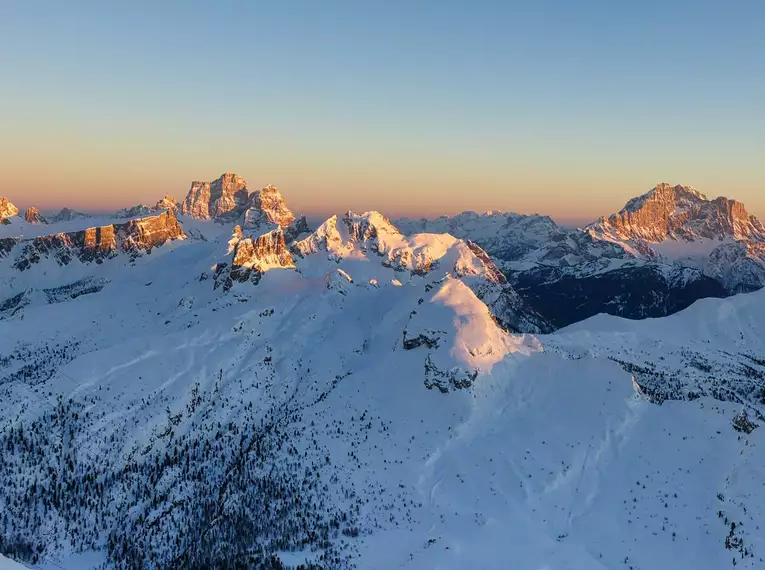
(7, 245)
(167, 203)
(679, 225)
(147, 233)
(229, 199)
(253, 256)
(265, 208)
(99, 243)
(679, 213)
(225, 197)
(7, 210)
(33, 216)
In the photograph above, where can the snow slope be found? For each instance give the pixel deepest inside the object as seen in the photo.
(347, 414)
(8, 564)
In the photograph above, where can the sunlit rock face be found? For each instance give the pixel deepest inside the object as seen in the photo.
(167, 203)
(679, 212)
(266, 207)
(660, 253)
(679, 225)
(7, 210)
(253, 256)
(147, 233)
(99, 243)
(33, 216)
(225, 197)
(229, 199)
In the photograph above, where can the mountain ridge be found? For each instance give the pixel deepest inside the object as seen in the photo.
(700, 247)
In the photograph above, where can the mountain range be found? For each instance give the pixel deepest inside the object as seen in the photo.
(212, 383)
(659, 254)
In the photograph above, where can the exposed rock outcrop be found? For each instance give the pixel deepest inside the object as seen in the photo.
(338, 281)
(679, 225)
(33, 216)
(659, 254)
(167, 203)
(296, 229)
(99, 243)
(253, 256)
(224, 198)
(7, 210)
(679, 213)
(14, 305)
(229, 199)
(7, 245)
(265, 208)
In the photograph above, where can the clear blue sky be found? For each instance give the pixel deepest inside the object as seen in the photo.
(567, 108)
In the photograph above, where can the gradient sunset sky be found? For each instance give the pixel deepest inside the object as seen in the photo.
(409, 107)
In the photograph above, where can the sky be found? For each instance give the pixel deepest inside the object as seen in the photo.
(409, 107)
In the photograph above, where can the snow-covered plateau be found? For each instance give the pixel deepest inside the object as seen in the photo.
(216, 385)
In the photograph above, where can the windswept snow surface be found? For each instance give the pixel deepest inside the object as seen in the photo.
(8, 564)
(329, 414)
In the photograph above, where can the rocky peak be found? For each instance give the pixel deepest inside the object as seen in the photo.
(166, 203)
(253, 256)
(225, 197)
(7, 210)
(338, 236)
(33, 216)
(667, 195)
(134, 211)
(265, 208)
(371, 236)
(369, 226)
(678, 213)
(67, 214)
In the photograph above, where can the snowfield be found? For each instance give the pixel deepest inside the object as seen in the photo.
(352, 411)
(8, 564)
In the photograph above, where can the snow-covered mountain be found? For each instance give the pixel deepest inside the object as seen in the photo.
(168, 203)
(371, 249)
(568, 275)
(662, 252)
(67, 215)
(678, 224)
(354, 397)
